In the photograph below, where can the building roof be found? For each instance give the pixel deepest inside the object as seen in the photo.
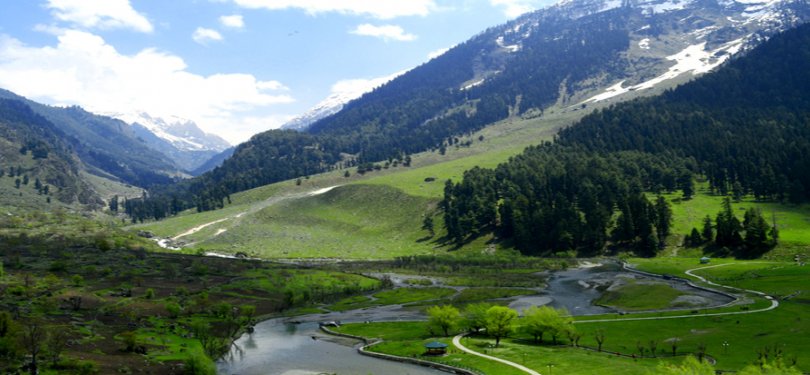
(436, 345)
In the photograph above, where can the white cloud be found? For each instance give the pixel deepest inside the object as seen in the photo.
(241, 129)
(383, 9)
(203, 35)
(102, 14)
(234, 21)
(386, 32)
(515, 8)
(82, 69)
(354, 88)
(437, 53)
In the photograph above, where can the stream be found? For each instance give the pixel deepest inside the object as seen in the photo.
(296, 346)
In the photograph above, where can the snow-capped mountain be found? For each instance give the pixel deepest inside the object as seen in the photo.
(671, 41)
(577, 55)
(343, 93)
(179, 139)
(182, 133)
(329, 106)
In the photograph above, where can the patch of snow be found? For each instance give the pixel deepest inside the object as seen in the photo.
(511, 48)
(694, 59)
(610, 92)
(471, 85)
(645, 27)
(702, 33)
(321, 191)
(668, 6)
(644, 43)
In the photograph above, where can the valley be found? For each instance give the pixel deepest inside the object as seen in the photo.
(594, 187)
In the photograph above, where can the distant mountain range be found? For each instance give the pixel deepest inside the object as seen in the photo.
(179, 139)
(107, 147)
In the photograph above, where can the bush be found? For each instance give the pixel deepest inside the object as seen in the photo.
(173, 309)
(199, 364)
(80, 367)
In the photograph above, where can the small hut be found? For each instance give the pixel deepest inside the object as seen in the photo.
(436, 348)
(705, 260)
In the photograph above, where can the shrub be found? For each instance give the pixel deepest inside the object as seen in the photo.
(199, 364)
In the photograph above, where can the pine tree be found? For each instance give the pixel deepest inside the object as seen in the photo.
(694, 239)
(707, 233)
(728, 226)
(756, 232)
(663, 219)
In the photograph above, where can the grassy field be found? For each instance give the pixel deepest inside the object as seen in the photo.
(637, 296)
(350, 222)
(793, 221)
(408, 338)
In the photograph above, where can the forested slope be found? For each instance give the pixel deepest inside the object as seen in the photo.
(744, 127)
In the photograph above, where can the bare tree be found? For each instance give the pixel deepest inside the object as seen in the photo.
(56, 342)
(31, 339)
(701, 351)
(599, 335)
(674, 342)
(653, 347)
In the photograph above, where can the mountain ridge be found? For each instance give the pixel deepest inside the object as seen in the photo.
(555, 59)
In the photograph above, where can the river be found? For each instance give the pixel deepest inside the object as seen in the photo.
(279, 346)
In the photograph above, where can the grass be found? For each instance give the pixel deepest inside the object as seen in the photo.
(635, 296)
(408, 338)
(793, 221)
(350, 222)
(399, 296)
(280, 221)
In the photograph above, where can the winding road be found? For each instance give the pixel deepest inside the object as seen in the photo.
(774, 304)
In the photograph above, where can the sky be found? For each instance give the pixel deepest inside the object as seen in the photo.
(235, 67)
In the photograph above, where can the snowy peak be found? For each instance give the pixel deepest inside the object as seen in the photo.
(329, 106)
(342, 93)
(181, 133)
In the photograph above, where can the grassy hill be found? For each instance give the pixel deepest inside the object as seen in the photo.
(379, 215)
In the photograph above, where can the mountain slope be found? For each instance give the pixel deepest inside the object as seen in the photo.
(106, 146)
(36, 164)
(558, 59)
(744, 127)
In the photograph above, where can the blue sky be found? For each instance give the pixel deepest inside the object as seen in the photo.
(236, 67)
